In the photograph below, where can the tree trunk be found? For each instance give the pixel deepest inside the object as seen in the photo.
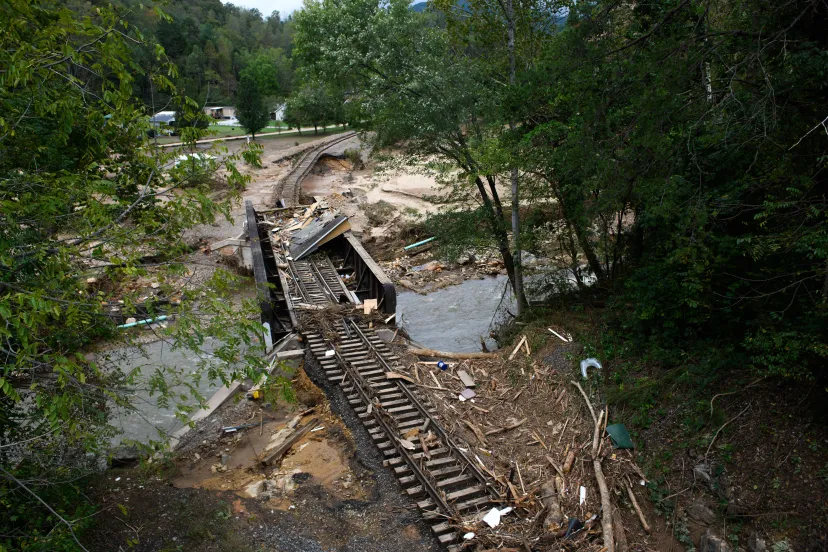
(583, 241)
(315, 129)
(496, 224)
(520, 296)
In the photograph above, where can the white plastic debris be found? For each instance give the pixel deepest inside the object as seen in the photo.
(583, 495)
(117, 479)
(468, 536)
(492, 519)
(320, 428)
(586, 363)
(331, 353)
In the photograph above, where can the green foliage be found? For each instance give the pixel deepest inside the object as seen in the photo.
(84, 193)
(250, 107)
(210, 42)
(314, 103)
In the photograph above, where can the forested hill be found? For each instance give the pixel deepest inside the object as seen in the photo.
(210, 43)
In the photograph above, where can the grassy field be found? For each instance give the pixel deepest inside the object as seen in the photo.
(225, 131)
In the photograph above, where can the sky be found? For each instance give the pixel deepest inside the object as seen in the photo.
(284, 7)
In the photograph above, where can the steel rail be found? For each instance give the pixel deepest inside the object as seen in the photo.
(377, 413)
(445, 437)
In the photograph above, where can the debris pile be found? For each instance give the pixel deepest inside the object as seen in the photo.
(563, 473)
(424, 274)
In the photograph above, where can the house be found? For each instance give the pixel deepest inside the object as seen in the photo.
(221, 112)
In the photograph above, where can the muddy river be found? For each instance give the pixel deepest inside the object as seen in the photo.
(455, 318)
(148, 418)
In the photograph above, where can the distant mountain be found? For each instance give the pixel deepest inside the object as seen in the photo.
(419, 6)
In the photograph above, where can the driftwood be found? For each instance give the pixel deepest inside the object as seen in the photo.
(477, 433)
(638, 511)
(570, 458)
(445, 354)
(621, 544)
(606, 506)
(549, 497)
(507, 428)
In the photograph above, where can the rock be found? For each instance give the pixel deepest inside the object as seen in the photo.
(254, 489)
(756, 544)
(155, 285)
(712, 543)
(527, 259)
(385, 334)
(123, 456)
(264, 496)
(433, 266)
(131, 320)
(91, 281)
(722, 487)
(466, 259)
(702, 473)
(98, 463)
(225, 459)
(701, 513)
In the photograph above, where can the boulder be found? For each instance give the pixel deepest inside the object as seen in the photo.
(123, 456)
(710, 542)
(466, 259)
(698, 511)
(527, 259)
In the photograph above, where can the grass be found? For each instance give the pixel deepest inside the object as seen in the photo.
(273, 130)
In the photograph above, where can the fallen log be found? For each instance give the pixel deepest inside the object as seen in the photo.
(454, 356)
(549, 498)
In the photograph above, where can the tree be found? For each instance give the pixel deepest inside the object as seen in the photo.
(271, 71)
(315, 103)
(84, 197)
(250, 106)
(411, 86)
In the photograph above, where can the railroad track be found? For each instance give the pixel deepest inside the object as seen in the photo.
(290, 186)
(440, 476)
(315, 281)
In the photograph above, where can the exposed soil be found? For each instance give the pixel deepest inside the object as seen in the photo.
(334, 493)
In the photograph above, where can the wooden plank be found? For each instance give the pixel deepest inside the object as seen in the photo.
(466, 379)
(282, 449)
